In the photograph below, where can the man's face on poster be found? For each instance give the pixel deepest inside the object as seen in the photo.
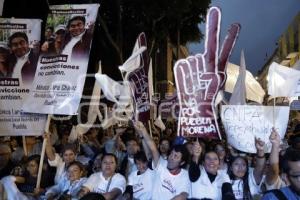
(19, 46)
(76, 27)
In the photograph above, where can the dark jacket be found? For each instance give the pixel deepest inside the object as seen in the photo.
(28, 69)
(82, 48)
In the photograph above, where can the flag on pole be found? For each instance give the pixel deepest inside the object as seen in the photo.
(283, 81)
(238, 96)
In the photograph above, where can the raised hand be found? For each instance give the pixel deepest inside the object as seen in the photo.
(260, 145)
(198, 79)
(275, 138)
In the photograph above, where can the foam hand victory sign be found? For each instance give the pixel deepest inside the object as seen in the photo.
(198, 79)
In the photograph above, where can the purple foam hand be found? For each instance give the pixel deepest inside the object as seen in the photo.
(198, 79)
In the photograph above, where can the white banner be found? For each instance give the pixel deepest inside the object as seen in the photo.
(18, 55)
(283, 81)
(60, 75)
(242, 123)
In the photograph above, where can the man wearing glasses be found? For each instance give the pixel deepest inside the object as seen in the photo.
(23, 60)
(291, 166)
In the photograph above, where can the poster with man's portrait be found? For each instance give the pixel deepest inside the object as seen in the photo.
(19, 53)
(63, 61)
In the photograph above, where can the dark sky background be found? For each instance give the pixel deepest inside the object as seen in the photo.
(262, 21)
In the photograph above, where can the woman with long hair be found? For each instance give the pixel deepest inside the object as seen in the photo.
(246, 181)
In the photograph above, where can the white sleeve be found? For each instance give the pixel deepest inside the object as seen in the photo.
(119, 183)
(184, 186)
(90, 183)
(130, 178)
(56, 162)
(55, 189)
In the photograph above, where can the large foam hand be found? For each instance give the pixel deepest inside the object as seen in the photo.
(198, 79)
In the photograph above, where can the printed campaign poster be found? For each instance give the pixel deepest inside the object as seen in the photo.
(19, 50)
(62, 66)
(242, 123)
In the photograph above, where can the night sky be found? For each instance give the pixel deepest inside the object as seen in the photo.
(262, 24)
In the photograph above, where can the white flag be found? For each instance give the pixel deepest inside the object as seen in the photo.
(254, 91)
(93, 113)
(283, 81)
(238, 96)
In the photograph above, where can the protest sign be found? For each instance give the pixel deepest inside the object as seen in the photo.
(169, 107)
(242, 123)
(138, 79)
(199, 78)
(19, 55)
(62, 66)
(283, 81)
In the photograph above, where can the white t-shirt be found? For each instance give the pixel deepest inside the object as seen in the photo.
(167, 185)
(132, 166)
(97, 183)
(238, 185)
(60, 165)
(142, 184)
(203, 188)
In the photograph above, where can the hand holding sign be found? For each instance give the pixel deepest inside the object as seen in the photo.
(198, 79)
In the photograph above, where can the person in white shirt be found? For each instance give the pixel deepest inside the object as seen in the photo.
(171, 181)
(107, 182)
(71, 186)
(246, 182)
(23, 60)
(140, 182)
(207, 182)
(61, 163)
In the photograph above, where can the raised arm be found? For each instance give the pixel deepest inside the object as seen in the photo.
(113, 194)
(260, 160)
(273, 173)
(49, 149)
(141, 130)
(194, 171)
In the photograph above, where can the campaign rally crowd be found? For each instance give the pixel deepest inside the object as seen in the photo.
(130, 163)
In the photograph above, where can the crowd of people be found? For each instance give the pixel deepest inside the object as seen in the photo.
(138, 163)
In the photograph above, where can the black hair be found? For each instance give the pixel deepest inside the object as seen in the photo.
(246, 188)
(16, 35)
(112, 155)
(292, 155)
(35, 158)
(51, 28)
(69, 146)
(81, 18)
(93, 196)
(184, 152)
(78, 164)
(140, 156)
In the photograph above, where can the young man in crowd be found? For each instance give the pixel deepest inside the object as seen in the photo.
(171, 181)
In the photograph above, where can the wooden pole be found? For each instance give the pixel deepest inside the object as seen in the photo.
(24, 145)
(38, 182)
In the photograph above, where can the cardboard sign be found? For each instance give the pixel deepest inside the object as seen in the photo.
(242, 123)
(138, 80)
(169, 107)
(62, 66)
(199, 78)
(19, 56)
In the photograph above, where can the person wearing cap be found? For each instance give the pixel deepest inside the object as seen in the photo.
(23, 60)
(54, 47)
(78, 39)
